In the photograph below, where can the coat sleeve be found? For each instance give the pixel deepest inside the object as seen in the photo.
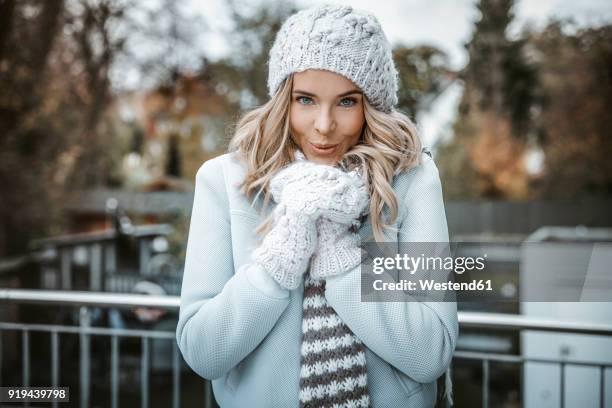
(224, 314)
(418, 338)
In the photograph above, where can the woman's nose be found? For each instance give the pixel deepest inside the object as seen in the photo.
(324, 122)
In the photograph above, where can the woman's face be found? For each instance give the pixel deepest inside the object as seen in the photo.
(326, 115)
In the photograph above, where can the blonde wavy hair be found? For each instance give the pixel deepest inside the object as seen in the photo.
(389, 142)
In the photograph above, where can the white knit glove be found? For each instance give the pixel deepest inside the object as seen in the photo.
(286, 249)
(314, 189)
(299, 191)
(304, 191)
(338, 249)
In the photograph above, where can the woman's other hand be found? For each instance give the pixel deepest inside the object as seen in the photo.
(317, 190)
(337, 250)
(286, 249)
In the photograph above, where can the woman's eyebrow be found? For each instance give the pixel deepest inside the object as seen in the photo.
(352, 91)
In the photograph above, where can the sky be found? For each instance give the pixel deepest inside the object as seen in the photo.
(446, 24)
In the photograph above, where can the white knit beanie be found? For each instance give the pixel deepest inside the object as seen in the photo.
(340, 39)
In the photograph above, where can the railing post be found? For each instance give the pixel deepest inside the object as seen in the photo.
(562, 387)
(26, 360)
(602, 386)
(1, 352)
(208, 394)
(55, 362)
(84, 322)
(25, 355)
(176, 376)
(485, 383)
(144, 373)
(114, 371)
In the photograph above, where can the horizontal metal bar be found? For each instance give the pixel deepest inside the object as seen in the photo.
(82, 298)
(520, 322)
(511, 358)
(118, 300)
(94, 331)
(508, 358)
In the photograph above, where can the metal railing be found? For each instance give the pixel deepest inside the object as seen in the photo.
(520, 322)
(86, 300)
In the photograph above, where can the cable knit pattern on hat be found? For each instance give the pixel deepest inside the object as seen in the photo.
(340, 39)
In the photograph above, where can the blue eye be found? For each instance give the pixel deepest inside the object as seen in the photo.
(300, 100)
(352, 102)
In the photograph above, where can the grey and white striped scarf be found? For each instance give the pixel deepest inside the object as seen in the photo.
(333, 364)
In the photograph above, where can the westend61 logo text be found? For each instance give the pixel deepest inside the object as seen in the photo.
(413, 264)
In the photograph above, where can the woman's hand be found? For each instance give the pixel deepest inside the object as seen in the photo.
(306, 192)
(337, 251)
(315, 190)
(286, 249)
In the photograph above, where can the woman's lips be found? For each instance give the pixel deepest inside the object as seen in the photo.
(324, 149)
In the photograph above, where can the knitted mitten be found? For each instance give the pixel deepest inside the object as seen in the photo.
(338, 248)
(316, 189)
(301, 190)
(286, 249)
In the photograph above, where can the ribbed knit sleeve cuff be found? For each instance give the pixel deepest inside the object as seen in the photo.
(338, 262)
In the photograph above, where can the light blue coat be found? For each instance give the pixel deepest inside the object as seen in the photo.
(241, 330)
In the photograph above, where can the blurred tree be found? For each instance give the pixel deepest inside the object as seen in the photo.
(94, 46)
(27, 33)
(503, 82)
(162, 43)
(242, 75)
(566, 115)
(424, 74)
(56, 132)
(494, 122)
(575, 68)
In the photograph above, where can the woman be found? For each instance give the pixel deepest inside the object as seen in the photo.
(270, 302)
